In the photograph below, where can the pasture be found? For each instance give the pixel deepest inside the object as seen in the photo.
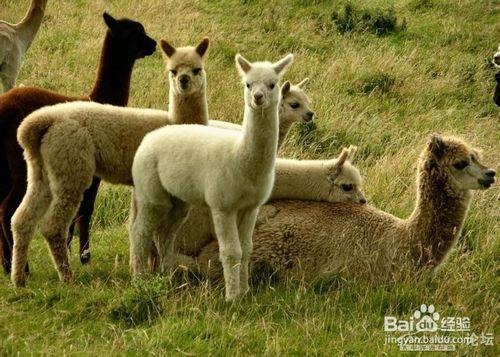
(426, 69)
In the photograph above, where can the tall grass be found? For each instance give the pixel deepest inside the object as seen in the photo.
(385, 94)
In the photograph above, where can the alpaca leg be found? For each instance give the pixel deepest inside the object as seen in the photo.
(5, 247)
(229, 250)
(165, 236)
(30, 211)
(61, 211)
(9, 206)
(84, 216)
(245, 231)
(145, 225)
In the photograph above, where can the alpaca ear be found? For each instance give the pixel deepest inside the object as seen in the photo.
(437, 146)
(167, 48)
(352, 151)
(203, 46)
(242, 64)
(282, 65)
(109, 20)
(285, 88)
(302, 84)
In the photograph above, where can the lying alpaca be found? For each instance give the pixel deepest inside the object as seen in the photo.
(294, 107)
(334, 180)
(125, 42)
(84, 138)
(229, 171)
(187, 104)
(313, 240)
(496, 92)
(15, 41)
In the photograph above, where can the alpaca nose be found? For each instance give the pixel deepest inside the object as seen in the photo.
(362, 201)
(258, 97)
(490, 173)
(310, 115)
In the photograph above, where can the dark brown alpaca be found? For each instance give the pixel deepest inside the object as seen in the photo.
(125, 42)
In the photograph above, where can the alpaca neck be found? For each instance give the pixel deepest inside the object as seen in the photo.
(284, 127)
(113, 78)
(29, 25)
(295, 180)
(437, 220)
(259, 140)
(188, 109)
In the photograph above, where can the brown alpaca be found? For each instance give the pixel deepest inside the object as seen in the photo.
(312, 239)
(91, 140)
(15, 41)
(125, 42)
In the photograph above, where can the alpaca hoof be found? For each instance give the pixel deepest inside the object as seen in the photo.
(19, 282)
(85, 257)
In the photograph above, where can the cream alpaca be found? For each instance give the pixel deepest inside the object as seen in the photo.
(231, 172)
(81, 140)
(313, 240)
(294, 107)
(334, 180)
(15, 41)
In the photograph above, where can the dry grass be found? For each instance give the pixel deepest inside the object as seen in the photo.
(385, 94)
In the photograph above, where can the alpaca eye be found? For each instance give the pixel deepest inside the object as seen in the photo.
(460, 165)
(248, 85)
(295, 105)
(347, 187)
(272, 85)
(174, 72)
(196, 71)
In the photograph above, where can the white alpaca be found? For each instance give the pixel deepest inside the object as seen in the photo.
(229, 171)
(15, 41)
(294, 108)
(335, 180)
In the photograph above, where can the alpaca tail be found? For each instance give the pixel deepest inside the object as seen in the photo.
(30, 134)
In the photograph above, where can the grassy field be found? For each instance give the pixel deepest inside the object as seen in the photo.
(384, 92)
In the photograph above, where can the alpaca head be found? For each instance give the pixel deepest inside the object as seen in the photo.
(496, 58)
(456, 164)
(294, 105)
(129, 37)
(186, 72)
(261, 80)
(345, 179)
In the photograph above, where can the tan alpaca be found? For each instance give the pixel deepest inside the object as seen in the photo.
(66, 144)
(335, 180)
(313, 239)
(15, 41)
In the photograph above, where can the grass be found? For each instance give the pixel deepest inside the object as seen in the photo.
(385, 94)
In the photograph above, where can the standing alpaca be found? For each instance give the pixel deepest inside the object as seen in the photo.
(125, 42)
(294, 107)
(334, 180)
(187, 104)
(89, 139)
(231, 172)
(313, 239)
(15, 41)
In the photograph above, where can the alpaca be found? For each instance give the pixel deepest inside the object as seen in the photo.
(313, 240)
(229, 171)
(187, 104)
(125, 42)
(86, 138)
(15, 41)
(294, 107)
(496, 93)
(496, 58)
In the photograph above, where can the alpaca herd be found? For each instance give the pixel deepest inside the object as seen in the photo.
(208, 194)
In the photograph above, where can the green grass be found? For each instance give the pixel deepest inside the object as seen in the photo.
(385, 94)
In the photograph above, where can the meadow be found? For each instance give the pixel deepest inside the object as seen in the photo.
(383, 82)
